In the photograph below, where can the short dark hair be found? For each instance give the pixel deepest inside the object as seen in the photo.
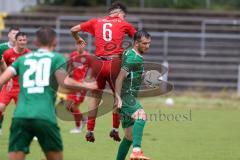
(45, 36)
(117, 5)
(139, 34)
(20, 34)
(16, 28)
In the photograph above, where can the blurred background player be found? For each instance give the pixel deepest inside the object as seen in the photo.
(77, 69)
(35, 114)
(11, 89)
(127, 86)
(109, 33)
(6, 45)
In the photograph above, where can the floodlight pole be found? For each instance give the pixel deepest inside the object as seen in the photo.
(141, 3)
(108, 3)
(208, 3)
(238, 85)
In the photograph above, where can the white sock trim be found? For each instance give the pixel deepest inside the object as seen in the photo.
(136, 149)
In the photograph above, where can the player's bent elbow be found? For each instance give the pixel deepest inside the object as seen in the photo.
(75, 29)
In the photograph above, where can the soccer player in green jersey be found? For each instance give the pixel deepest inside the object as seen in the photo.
(39, 73)
(3, 47)
(6, 45)
(127, 86)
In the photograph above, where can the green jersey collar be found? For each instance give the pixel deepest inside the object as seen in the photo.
(9, 45)
(136, 52)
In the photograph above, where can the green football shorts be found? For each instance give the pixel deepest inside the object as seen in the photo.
(23, 130)
(130, 105)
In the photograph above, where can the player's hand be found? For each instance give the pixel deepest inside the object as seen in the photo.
(9, 85)
(118, 101)
(90, 85)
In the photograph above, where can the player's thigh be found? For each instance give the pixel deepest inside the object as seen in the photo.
(96, 67)
(16, 156)
(129, 107)
(5, 98)
(20, 136)
(113, 71)
(48, 135)
(14, 94)
(54, 155)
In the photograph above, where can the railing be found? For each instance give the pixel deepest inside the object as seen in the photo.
(213, 21)
(166, 39)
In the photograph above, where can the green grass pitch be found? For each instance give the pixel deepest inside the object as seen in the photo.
(195, 128)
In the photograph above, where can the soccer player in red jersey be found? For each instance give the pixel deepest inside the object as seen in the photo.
(78, 71)
(11, 89)
(6, 45)
(109, 33)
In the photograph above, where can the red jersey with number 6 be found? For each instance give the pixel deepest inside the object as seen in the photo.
(109, 33)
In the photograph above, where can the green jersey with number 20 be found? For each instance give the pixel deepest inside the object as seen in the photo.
(36, 77)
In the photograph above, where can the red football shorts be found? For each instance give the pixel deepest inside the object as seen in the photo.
(5, 96)
(106, 71)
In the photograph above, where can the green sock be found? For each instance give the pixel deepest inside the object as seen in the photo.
(1, 120)
(123, 149)
(138, 132)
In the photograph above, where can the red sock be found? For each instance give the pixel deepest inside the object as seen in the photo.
(91, 123)
(116, 120)
(0, 114)
(77, 117)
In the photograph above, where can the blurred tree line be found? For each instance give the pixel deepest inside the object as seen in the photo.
(181, 4)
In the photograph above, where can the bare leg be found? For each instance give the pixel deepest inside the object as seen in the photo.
(54, 155)
(16, 155)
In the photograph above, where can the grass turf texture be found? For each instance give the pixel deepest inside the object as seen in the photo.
(195, 128)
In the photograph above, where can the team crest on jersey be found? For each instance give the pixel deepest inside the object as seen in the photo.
(13, 58)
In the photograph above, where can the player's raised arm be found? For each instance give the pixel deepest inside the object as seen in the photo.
(78, 39)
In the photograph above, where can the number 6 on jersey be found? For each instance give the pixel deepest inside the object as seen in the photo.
(107, 30)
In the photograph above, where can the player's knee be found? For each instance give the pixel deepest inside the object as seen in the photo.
(2, 107)
(140, 114)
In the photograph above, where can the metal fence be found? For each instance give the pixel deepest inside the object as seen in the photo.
(179, 49)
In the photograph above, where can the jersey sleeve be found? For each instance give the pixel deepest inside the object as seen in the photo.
(88, 26)
(60, 63)
(130, 29)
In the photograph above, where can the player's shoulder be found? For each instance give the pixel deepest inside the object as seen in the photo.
(9, 51)
(57, 55)
(73, 54)
(3, 44)
(128, 52)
